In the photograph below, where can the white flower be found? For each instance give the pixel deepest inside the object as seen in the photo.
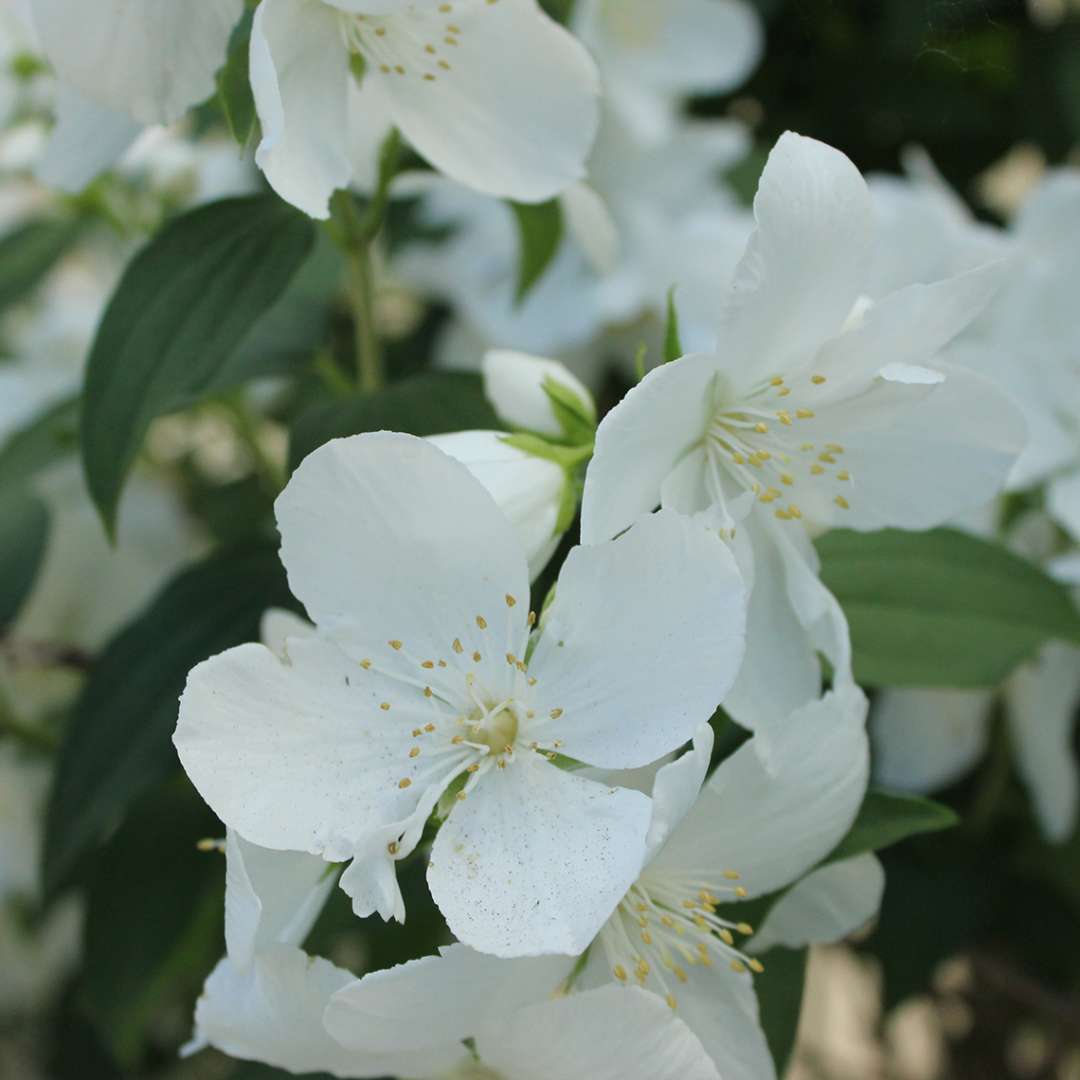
(423, 672)
(816, 409)
(666, 936)
(123, 65)
(266, 1001)
(535, 493)
(496, 95)
(536, 394)
(654, 55)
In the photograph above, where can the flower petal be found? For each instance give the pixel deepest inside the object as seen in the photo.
(926, 739)
(299, 76)
(271, 897)
(302, 756)
(388, 540)
(496, 96)
(151, 59)
(536, 859)
(721, 1009)
(1042, 699)
(454, 993)
(791, 618)
(85, 141)
(828, 905)
(641, 441)
(771, 825)
(604, 1034)
(805, 263)
(273, 1013)
(676, 787)
(642, 642)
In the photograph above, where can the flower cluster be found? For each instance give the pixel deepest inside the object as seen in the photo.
(577, 659)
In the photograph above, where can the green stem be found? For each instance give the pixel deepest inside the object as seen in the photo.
(31, 737)
(356, 235)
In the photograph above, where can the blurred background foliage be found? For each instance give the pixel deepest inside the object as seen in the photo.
(973, 971)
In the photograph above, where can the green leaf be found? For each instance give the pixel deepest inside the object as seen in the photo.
(186, 302)
(430, 404)
(234, 84)
(153, 917)
(885, 818)
(941, 608)
(29, 252)
(23, 537)
(540, 230)
(119, 743)
(672, 343)
(780, 993)
(47, 439)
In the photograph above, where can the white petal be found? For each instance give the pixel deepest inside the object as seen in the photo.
(514, 384)
(605, 1034)
(926, 739)
(386, 538)
(86, 140)
(527, 489)
(805, 264)
(152, 59)
(506, 103)
(453, 994)
(720, 1008)
(271, 897)
(676, 788)
(681, 46)
(277, 626)
(536, 859)
(770, 826)
(642, 642)
(299, 73)
(641, 440)
(273, 1013)
(369, 125)
(301, 756)
(828, 905)
(1063, 502)
(791, 618)
(588, 220)
(1042, 700)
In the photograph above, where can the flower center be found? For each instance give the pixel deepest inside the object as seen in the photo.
(416, 43)
(761, 443)
(495, 727)
(664, 926)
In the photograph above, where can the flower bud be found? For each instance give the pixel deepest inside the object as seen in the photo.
(539, 395)
(529, 490)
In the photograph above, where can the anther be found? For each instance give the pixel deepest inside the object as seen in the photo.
(481, 622)
(510, 601)
(395, 645)
(404, 783)
(385, 706)
(555, 714)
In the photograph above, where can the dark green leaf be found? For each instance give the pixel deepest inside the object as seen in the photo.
(47, 439)
(780, 994)
(24, 530)
(941, 608)
(186, 302)
(672, 343)
(430, 404)
(28, 253)
(153, 916)
(234, 84)
(540, 230)
(886, 818)
(119, 742)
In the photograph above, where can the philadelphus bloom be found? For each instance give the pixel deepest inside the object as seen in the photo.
(424, 679)
(538, 395)
(266, 1001)
(122, 65)
(492, 92)
(667, 935)
(817, 409)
